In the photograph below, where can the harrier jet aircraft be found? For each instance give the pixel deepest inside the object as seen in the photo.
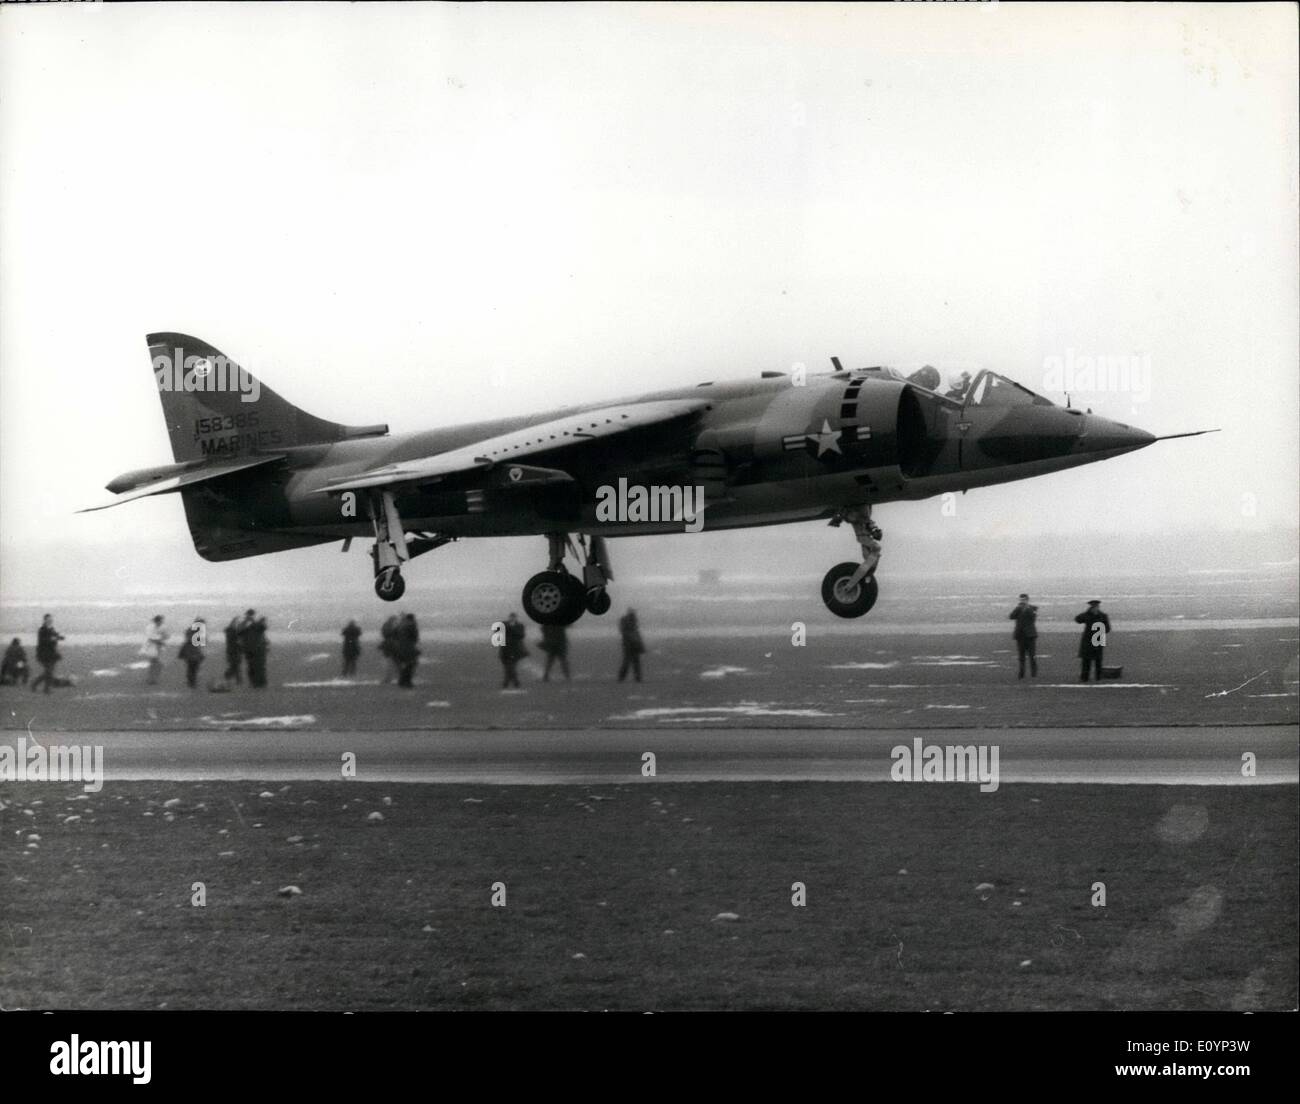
(258, 475)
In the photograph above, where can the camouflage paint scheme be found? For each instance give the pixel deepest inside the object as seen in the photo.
(262, 476)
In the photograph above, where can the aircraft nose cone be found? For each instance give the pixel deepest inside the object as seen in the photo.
(1103, 435)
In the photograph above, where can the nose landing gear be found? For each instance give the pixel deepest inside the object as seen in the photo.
(850, 589)
(844, 594)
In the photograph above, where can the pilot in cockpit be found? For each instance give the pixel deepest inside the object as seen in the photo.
(959, 387)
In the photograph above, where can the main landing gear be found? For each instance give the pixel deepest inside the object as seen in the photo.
(850, 589)
(393, 547)
(551, 597)
(555, 597)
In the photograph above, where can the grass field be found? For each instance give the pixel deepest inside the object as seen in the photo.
(615, 897)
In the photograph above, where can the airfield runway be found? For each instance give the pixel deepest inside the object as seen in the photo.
(1205, 755)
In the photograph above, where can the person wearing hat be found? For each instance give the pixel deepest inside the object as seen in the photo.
(1096, 628)
(1025, 634)
(959, 388)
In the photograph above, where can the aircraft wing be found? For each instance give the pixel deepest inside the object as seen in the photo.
(518, 445)
(186, 475)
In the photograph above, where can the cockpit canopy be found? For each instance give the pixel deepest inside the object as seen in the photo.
(988, 389)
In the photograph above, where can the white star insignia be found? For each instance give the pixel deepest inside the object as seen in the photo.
(827, 440)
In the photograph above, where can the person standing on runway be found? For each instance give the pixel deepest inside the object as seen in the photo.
(1025, 634)
(1092, 642)
(633, 647)
(47, 652)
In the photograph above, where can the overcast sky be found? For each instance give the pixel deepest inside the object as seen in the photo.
(428, 214)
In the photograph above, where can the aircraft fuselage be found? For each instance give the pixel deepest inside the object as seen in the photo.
(790, 453)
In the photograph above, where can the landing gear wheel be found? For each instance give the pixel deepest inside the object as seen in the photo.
(554, 598)
(598, 601)
(576, 594)
(845, 598)
(389, 584)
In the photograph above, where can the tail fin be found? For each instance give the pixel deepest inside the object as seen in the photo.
(214, 408)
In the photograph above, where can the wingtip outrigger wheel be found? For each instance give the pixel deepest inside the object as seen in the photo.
(390, 547)
(389, 584)
(595, 575)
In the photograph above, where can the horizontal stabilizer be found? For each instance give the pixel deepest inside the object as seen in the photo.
(177, 477)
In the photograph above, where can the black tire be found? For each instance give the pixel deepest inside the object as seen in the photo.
(577, 596)
(389, 584)
(554, 598)
(844, 601)
(598, 601)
